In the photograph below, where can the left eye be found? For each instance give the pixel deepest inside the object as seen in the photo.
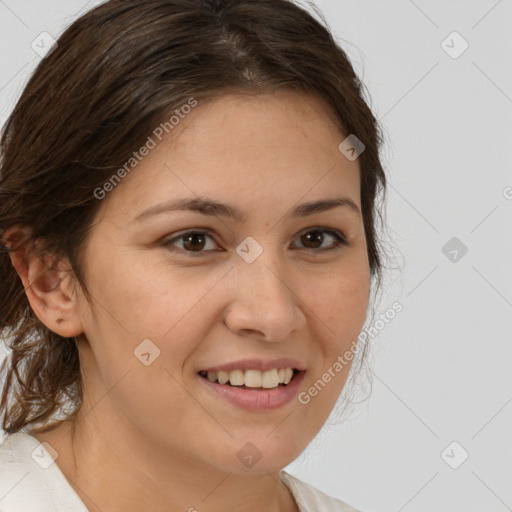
(193, 242)
(316, 235)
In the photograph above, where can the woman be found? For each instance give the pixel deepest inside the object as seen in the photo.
(187, 207)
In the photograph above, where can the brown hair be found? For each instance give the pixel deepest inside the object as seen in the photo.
(116, 73)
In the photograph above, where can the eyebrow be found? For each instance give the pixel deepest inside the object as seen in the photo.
(212, 207)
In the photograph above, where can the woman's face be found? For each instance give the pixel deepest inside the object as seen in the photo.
(267, 288)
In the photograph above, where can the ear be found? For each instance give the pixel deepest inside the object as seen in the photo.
(47, 282)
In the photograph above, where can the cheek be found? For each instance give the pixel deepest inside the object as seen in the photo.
(142, 328)
(338, 310)
(141, 301)
(145, 297)
(339, 304)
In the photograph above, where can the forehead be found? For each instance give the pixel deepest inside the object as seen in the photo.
(246, 115)
(242, 147)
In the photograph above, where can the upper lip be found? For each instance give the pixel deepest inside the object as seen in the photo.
(257, 364)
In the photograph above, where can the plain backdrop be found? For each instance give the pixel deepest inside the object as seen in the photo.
(434, 434)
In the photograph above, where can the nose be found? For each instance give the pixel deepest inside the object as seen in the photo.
(264, 302)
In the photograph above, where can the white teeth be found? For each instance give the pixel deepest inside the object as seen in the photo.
(253, 378)
(223, 377)
(236, 378)
(270, 379)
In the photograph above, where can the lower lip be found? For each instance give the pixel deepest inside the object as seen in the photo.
(257, 400)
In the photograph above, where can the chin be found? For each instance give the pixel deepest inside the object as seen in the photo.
(261, 453)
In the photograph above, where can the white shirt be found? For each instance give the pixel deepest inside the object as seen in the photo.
(30, 481)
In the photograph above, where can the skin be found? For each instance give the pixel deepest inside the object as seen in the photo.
(153, 437)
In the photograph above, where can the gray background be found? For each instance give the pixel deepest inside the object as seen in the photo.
(442, 368)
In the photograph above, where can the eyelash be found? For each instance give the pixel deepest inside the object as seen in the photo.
(340, 241)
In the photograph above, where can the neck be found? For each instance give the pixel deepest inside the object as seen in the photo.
(118, 469)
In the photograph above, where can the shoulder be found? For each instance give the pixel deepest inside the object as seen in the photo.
(30, 480)
(310, 499)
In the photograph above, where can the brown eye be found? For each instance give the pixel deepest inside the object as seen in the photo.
(195, 243)
(314, 239)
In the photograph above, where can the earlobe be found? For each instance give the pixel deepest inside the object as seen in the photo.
(46, 282)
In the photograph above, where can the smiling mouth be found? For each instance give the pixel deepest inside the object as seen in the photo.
(253, 380)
